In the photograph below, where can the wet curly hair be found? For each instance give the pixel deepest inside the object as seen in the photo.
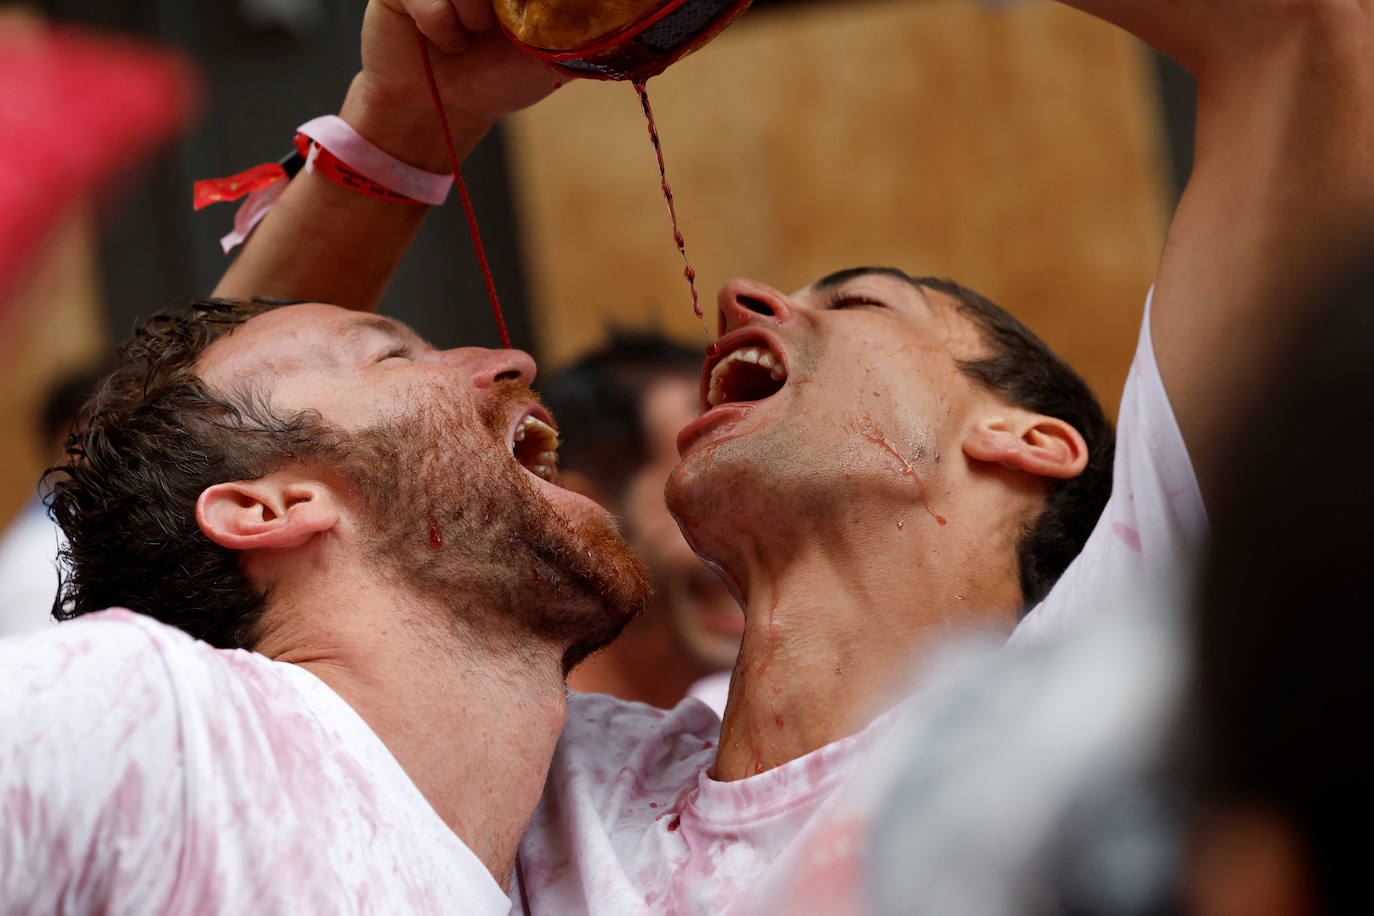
(151, 439)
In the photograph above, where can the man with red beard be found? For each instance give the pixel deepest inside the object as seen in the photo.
(368, 517)
(880, 484)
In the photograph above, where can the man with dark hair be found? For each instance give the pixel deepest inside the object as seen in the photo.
(620, 408)
(371, 518)
(882, 461)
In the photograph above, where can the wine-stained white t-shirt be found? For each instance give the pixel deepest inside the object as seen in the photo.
(144, 772)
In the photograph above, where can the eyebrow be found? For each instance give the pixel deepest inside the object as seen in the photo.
(841, 277)
(377, 324)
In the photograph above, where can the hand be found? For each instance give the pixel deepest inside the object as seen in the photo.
(480, 74)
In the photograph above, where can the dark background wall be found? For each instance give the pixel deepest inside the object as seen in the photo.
(269, 66)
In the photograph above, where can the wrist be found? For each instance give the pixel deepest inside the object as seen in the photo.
(409, 131)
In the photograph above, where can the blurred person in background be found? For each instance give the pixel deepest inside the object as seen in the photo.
(620, 408)
(1282, 683)
(29, 547)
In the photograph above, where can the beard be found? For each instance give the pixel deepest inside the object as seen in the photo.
(454, 517)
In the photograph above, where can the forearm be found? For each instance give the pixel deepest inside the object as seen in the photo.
(324, 242)
(1283, 186)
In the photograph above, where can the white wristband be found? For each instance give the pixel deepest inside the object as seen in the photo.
(355, 151)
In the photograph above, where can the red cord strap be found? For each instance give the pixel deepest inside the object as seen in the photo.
(463, 194)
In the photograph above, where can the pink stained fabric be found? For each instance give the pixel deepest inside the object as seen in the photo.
(1155, 522)
(78, 109)
(144, 772)
(631, 824)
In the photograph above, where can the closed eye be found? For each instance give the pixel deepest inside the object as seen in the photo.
(399, 352)
(851, 301)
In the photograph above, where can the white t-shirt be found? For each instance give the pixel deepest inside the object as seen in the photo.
(629, 821)
(1153, 524)
(144, 772)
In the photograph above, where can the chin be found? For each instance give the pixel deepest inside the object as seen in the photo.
(611, 587)
(704, 496)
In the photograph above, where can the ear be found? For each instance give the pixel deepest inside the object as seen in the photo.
(1029, 442)
(277, 512)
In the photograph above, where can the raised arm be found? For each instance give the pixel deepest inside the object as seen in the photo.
(323, 242)
(1282, 186)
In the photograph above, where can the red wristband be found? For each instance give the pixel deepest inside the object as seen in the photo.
(318, 159)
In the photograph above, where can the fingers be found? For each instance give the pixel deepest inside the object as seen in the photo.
(475, 15)
(438, 21)
(450, 24)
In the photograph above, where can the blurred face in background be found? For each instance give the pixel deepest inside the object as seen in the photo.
(703, 618)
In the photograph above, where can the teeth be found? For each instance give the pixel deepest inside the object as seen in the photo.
(538, 427)
(763, 358)
(540, 455)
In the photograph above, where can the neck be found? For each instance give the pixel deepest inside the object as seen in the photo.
(473, 722)
(834, 629)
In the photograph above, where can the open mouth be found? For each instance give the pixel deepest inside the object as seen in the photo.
(749, 373)
(535, 446)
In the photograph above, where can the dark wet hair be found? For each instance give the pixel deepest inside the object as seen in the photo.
(599, 402)
(151, 440)
(1024, 371)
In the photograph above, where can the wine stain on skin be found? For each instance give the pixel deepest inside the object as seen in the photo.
(870, 431)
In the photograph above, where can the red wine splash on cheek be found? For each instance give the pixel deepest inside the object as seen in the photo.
(870, 431)
(436, 535)
(687, 270)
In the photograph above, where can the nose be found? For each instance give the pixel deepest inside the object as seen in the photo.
(491, 366)
(742, 302)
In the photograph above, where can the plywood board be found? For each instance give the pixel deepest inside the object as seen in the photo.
(1014, 149)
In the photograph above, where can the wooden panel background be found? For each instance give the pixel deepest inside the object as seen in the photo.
(1017, 150)
(53, 328)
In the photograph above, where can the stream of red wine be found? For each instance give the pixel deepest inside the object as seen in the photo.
(687, 270)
